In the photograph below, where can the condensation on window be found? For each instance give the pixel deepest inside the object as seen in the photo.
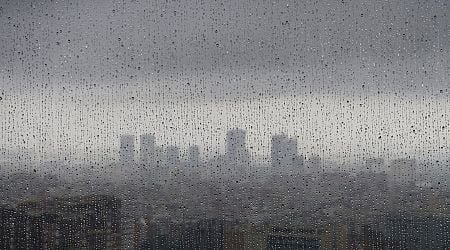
(205, 124)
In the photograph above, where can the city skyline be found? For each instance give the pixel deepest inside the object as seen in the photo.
(348, 78)
(146, 139)
(224, 124)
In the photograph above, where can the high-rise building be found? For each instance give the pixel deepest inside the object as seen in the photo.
(147, 149)
(284, 154)
(126, 149)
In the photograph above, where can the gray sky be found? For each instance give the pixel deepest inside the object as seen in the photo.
(80, 42)
(72, 70)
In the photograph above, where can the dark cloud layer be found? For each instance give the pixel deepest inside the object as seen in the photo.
(388, 44)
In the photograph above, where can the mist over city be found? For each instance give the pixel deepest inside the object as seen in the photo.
(161, 196)
(162, 124)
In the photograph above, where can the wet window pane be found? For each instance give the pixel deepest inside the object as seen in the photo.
(160, 124)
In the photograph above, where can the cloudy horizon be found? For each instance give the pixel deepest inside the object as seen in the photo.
(373, 76)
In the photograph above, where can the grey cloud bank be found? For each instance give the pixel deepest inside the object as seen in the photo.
(327, 45)
(75, 74)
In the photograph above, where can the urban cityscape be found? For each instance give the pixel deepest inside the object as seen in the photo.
(153, 198)
(224, 124)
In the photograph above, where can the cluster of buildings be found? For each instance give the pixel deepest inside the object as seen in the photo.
(299, 205)
(237, 164)
(83, 222)
(96, 222)
(393, 231)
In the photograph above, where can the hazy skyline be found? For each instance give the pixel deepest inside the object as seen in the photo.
(348, 78)
(224, 124)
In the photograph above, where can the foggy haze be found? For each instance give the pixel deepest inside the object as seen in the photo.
(77, 74)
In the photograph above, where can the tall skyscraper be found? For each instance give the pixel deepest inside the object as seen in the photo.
(284, 154)
(126, 151)
(147, 149)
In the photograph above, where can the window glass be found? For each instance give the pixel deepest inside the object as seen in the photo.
(206, 124)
